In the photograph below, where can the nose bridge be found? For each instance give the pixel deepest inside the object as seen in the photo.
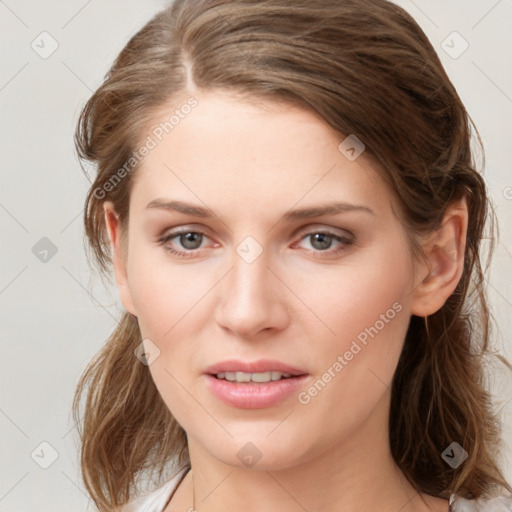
(250, 275)
(250, 300)
(249, 279)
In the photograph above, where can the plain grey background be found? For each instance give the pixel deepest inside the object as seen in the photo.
(55, 314)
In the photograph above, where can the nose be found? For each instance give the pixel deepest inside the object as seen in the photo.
(252, 299)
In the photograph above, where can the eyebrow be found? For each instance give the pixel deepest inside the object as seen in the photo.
(297, 214)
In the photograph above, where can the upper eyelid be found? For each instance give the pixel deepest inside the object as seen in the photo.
(303, 230)
(320, 229)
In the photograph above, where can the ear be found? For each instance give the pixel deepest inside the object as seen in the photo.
(444, 251)
(113, 225)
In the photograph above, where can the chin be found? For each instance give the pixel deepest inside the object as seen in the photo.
(259, 453)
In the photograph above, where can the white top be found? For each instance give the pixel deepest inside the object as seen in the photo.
(498, 504)
(158, 499)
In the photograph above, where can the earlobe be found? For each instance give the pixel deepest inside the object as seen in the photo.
(113, 225)
(444, 253)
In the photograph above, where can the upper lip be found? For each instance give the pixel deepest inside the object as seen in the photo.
(260, 366)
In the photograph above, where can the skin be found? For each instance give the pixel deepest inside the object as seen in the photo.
(249, 164)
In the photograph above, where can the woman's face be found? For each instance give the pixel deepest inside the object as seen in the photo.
(265, 275)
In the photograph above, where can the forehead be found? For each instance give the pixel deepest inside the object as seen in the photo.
(244, 156)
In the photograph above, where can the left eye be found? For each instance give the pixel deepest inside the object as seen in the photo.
(322, 241)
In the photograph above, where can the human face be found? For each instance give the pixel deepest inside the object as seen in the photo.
(328, 295)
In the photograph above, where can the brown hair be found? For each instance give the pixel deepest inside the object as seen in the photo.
(366, 68)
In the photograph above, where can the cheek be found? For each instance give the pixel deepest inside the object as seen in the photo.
(165, 293)
(365, 315)
(356, 299)
(167, 298)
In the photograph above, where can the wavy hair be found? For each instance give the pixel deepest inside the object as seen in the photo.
(366, 68)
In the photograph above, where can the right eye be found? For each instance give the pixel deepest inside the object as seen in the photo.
(188, 242)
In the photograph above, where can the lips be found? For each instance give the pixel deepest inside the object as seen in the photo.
(254, 395)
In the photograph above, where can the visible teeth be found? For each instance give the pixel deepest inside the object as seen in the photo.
(254, 377)
(243, 377)
(261, 377)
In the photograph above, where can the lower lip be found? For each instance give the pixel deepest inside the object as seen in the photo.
(253, 395)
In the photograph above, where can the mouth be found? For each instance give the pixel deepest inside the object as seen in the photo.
(255, 385)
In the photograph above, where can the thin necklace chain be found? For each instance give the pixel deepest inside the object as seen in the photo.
(193, 493)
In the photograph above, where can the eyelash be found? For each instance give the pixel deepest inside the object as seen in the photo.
(346, 243)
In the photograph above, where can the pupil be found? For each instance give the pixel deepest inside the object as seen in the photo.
(323, 240)
(190, 240)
